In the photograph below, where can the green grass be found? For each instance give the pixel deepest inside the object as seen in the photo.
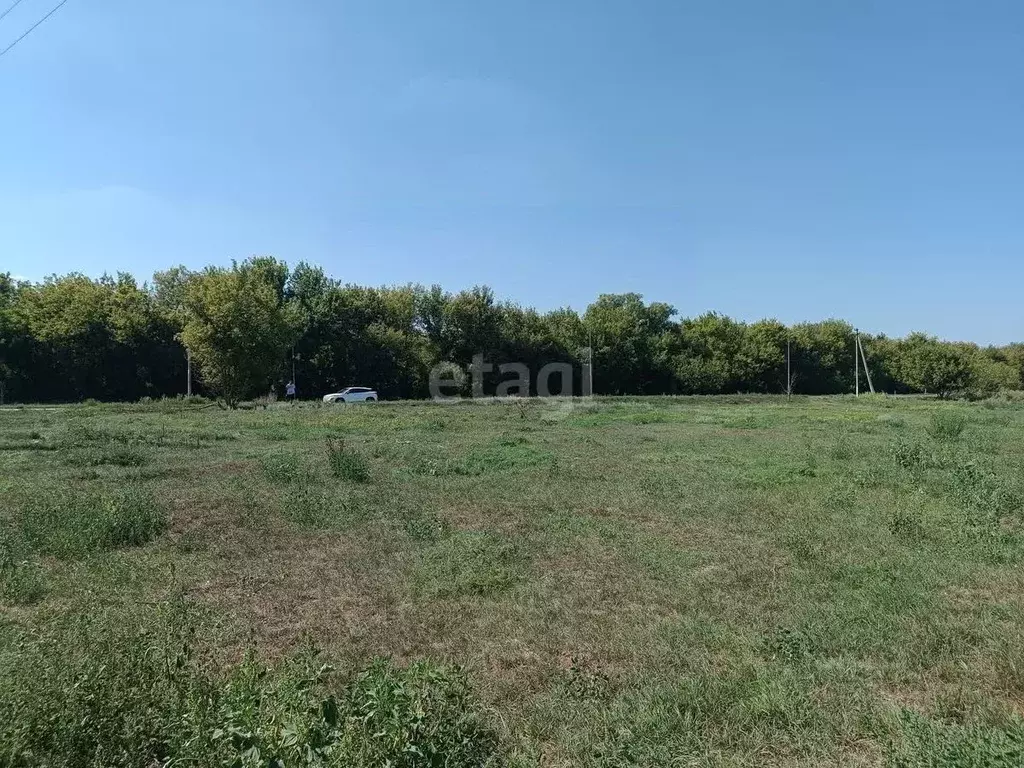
(701, 581)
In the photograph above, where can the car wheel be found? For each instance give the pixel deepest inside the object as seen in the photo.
(340, 400)
(371, 399)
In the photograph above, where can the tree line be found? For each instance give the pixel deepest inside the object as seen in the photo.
(245, 326)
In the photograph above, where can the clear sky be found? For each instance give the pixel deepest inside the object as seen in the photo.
(797, 160)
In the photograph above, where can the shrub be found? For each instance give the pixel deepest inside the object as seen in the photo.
(345, 463)
(946, 426)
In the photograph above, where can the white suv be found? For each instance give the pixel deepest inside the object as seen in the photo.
(352, 395)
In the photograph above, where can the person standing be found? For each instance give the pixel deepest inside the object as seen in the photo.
(289, 391)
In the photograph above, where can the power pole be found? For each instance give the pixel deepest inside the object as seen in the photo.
(856, 362)
(188, 373)
(591, 356)
(864, 360)
(789, 375)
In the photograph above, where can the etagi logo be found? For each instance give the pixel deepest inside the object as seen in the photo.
(447, 379)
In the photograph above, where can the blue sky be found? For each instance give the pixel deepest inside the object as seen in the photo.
(797, 160)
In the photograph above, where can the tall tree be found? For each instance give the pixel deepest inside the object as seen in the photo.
(239, 326)
(633, 344)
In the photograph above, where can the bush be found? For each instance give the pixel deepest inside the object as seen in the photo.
(947, 426)
(345, 463)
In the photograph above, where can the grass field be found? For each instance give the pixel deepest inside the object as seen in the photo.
(623, 582)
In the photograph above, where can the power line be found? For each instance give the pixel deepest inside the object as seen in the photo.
(31, 29)
(16, 4)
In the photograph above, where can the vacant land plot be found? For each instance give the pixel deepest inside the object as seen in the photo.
(612, 583)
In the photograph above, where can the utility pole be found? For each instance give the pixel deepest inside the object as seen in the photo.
(188, 373)
(588, 379)
(591, 356)
(864, 360)
(789, 375)
(856, 362)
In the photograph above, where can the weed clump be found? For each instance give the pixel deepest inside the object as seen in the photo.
(907, 454)
(906, 523)
(67, 525)
(282, 468)
(345, 463)
(927, 743)
(946, 426)
(839, 498)
(317, 507)
(469, 563)
(427, 527)
(131, 688)
(21, 577)
(787, 644)
(114, 455)
(584, 681)
(840, 450)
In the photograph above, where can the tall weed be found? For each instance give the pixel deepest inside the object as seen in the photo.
(131, 688)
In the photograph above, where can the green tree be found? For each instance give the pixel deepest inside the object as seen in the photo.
(15, 352)
(822, 355)
(239, 326)
(634, 344)
(926, 364)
